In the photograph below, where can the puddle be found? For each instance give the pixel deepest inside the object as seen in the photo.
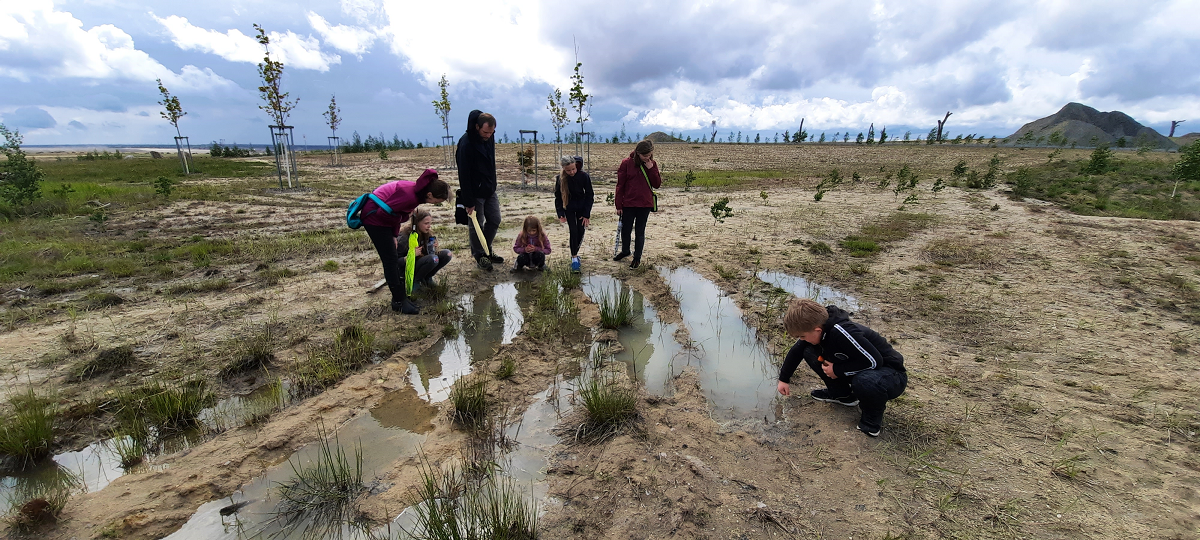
(394, 429)
(490, 319)
(648, 345)
(803, 288)
(96, 465)
(735, 370)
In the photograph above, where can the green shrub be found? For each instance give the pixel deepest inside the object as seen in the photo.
(20, 181)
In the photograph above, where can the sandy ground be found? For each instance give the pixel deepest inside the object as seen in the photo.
(1051, 360)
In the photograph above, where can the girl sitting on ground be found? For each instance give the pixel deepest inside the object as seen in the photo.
(418, 250)
(532, 245)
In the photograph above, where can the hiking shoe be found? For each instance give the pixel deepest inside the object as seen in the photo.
(484, 263)
(870, 431)
(496, 259)
(621, 255)
(822, 394)
(406, 307)
(575, 265)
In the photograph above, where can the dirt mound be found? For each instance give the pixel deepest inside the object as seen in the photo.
(659, 136)
(1084, 126)
(1186, 139)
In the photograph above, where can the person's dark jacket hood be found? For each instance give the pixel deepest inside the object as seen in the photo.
(476, 160)
(849, 346)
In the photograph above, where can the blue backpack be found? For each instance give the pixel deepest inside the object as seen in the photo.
(354, 211)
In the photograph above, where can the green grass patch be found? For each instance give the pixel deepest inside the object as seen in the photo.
(210, 285)
(616, 308)
(717, 178)
(165, 408)
(610, 407)
(322, 491)
(894, 227)
(250, 352)
(456, 504)
(1127, 187)
(470, 401)
(107, 361)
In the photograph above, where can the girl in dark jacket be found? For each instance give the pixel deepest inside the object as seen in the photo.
(637, 178)
(573, 199)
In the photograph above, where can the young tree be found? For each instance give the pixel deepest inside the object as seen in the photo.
(859, 139)
(333, 116)
(173, 111)
(822, 139)
(578, 97)
(277, 105)
(871, 134)
(558, 116)
(20, 179)
(883, 135)
(442, 105)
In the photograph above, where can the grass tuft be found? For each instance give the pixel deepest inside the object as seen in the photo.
(458, 505)
(26, 435)
(321, 493)
(107, 360)
(33, 505)
(610, 406)
(470, 401)
(250, 353)
(507, 368)
(163, 408)
(616, 308)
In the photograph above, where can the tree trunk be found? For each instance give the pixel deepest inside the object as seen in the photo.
(941, 124)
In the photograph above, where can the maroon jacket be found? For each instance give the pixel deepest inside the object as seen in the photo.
(401, 197)
(632, 190)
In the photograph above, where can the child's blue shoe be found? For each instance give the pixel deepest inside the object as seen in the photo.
(575, 265)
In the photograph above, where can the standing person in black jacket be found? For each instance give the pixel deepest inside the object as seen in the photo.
(476, 159)
(573, 198)
(858, 366)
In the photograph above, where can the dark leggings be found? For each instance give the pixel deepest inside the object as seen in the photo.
(631, 217)
(534, 259)
(575, 224)
(872, 387)
(385, 246)
(426, 268)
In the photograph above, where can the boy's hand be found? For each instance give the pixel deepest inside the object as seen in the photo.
(784, 388)
(827, 367)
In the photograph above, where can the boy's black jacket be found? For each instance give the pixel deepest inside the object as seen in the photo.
(850, 347)
(476, 159)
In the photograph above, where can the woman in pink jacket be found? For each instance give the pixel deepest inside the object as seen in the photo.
(402, 197)
(637, 178)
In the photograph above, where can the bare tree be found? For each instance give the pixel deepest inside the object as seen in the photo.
(1174, 124)
(942, 124)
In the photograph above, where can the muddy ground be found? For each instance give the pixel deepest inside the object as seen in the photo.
(1052, 357)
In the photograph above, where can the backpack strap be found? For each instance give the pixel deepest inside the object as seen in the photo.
(384, 205)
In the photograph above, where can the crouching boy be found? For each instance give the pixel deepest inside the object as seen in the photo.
(857, 364)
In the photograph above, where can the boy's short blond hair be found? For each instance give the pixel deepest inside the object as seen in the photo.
(803, 315)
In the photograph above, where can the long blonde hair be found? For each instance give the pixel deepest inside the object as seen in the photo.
(532, 222)
(565, 161)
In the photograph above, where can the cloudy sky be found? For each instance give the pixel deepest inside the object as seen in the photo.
(83, 71)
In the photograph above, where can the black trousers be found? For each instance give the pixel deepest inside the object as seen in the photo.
(393, 271)
(872, 387)
(575, 225)
(426, 268)
(487, 212)
(631, 218)
(535, 259)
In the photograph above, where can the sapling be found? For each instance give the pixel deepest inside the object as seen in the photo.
(688, 180)
(22, 178)
(721, 210)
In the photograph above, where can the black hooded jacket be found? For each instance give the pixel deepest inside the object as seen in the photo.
(476, 159)
(850, 347)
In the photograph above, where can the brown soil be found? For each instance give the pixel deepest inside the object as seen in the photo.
(1051, 360)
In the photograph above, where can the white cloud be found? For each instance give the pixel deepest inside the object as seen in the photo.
(289, 48)
(41, 43)
(493, 42)
(348, 39)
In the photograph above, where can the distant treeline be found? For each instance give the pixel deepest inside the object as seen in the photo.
(357, 145)
(216, 150)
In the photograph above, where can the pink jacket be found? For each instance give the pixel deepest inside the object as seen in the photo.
(401, 196)
(542, 245)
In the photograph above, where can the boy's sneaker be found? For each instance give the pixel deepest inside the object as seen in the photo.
(496, 259)
(822, 394)
(575, 265)
(870, 431)
(620, 255)
(484, 262)
(406, 307)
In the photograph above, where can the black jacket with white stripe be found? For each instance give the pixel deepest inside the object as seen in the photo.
(850, 347)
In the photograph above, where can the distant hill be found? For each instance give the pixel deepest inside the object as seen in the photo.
(1186, 139)
(659, 136)
(1078, 123)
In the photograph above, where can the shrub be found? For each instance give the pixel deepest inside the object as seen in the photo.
(163, 186)
(1102, 161)
(20, 178)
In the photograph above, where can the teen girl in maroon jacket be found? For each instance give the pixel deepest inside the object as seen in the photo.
(637, 176)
